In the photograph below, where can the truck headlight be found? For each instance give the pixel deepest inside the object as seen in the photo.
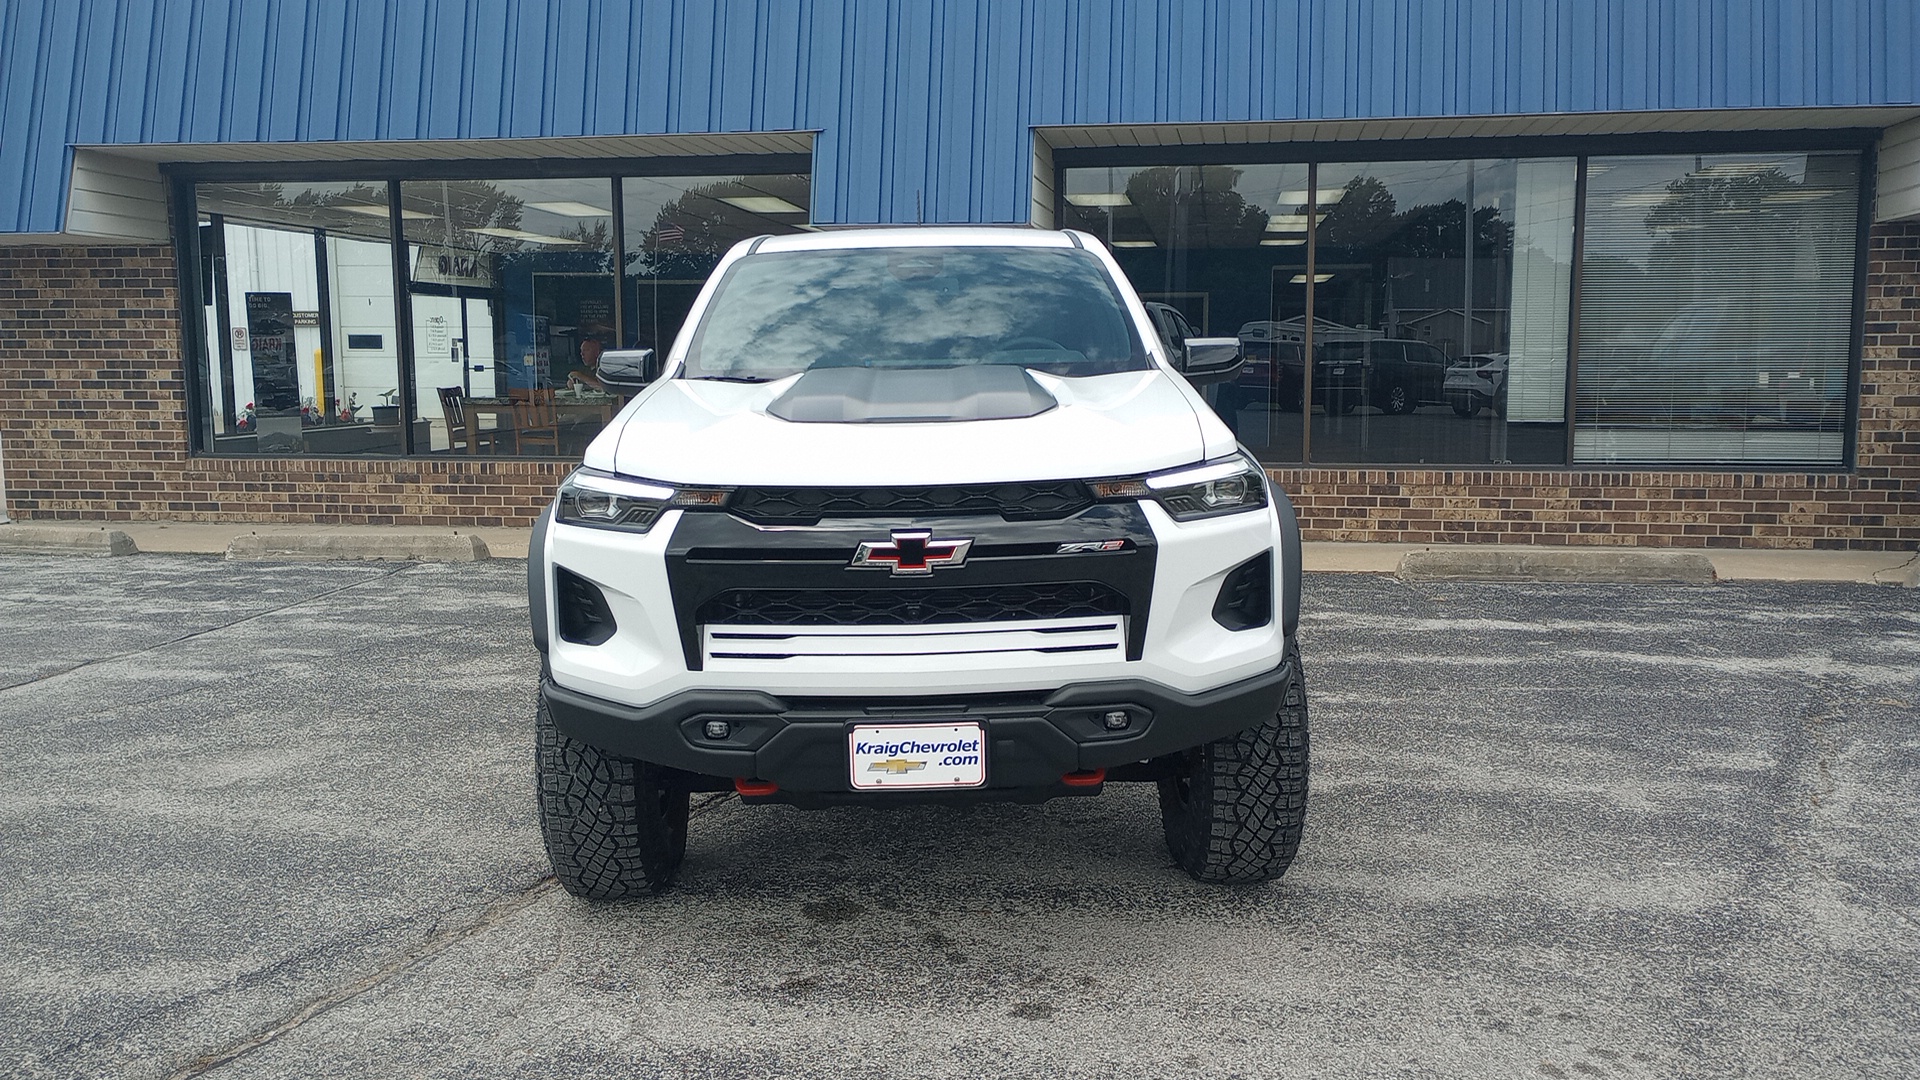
(600, 500)
(1224, 486)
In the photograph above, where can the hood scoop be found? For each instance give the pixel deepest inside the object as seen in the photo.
(859, 395)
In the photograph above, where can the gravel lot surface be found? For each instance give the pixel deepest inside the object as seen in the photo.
(276, 821)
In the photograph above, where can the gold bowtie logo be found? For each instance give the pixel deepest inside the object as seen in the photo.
(896, 766)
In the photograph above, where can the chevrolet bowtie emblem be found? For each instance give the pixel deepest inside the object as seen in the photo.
(910, 552)
(896, 766)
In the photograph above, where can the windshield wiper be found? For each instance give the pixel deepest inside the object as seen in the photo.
(729, 378)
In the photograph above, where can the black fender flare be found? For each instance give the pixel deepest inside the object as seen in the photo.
(1290, 574)
(537, 578)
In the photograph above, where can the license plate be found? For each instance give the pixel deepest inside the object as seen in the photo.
(902, 757)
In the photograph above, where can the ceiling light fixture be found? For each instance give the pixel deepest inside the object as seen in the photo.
(523, 235)
(381, 211)
(762, 204)
(1132, 243)
(1301, 279)
(568, 208)
(1100, 198)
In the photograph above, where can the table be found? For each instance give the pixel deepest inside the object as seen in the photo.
(594, 412)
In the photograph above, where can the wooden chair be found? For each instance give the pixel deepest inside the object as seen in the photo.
(535, 424)
(461, 431)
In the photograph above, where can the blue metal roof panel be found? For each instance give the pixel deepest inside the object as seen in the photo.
(923, 105)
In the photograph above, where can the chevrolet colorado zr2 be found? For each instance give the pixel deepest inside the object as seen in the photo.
(905, 515)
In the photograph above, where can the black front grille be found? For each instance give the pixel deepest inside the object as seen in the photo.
(1030, 501)
(911, 607)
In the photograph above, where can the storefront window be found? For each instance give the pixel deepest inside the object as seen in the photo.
(1226, 247)
(298, 308)
(1716, 303)
(513, 288)
(1442, 291)
(513, 297)
(678, 227)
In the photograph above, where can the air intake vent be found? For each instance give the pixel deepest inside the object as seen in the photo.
(1246, 596)
(912, 607)
(1046, 500)
(584, 617)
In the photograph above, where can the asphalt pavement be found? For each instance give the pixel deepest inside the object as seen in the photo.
(270, 820)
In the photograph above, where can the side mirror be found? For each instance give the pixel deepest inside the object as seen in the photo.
(627, 370)
(1211, 360)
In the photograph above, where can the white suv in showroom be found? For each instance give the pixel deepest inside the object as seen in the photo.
(909, 515)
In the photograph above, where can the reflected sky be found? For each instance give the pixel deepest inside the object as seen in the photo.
(784, 312)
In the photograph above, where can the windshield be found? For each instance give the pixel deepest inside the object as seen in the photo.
(781, 313)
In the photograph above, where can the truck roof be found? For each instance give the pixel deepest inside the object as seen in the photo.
(910, 236)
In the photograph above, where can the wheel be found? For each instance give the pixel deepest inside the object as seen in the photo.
(612, 827)
(1465, 404)
(1500, 403)
(1234, 810)
(1397, 399)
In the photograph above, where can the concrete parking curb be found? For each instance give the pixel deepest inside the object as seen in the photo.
(18, 539)
(393, 546)
(1665, 567)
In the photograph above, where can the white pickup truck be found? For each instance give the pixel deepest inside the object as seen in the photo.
(910, 515)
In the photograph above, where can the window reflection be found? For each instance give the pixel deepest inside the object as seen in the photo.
(513, 294)
(1223, 245)
(296, 289)
(678, 227)
(1716, 300)
(1440, 298)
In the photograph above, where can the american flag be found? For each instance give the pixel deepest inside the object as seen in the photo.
(669, 234)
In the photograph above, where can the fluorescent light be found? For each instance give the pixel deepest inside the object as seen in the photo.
(1289, 222)
(1301, 279)
(762, 204)
(1100, 198)
(570, 209)
(1283, 241)
(529, 237)
(381, 211)
(1131, 243)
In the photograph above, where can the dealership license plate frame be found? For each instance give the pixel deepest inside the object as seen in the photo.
(916, 771)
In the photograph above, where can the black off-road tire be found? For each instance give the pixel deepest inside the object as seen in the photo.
(1234, 813)
(614, 829)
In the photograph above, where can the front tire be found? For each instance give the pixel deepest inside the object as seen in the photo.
(1234, 811)
(614, 829)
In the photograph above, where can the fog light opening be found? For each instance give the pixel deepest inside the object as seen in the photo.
(719, 730)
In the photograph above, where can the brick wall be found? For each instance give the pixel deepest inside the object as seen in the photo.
(93, 426)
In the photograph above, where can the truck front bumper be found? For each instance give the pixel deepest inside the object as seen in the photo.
(1033, 740)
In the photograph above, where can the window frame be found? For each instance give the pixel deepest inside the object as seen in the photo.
(182, 179)
(1860, 141)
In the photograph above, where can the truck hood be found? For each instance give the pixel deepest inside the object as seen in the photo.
(721, 434)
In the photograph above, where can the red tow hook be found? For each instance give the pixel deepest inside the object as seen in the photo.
(1085, 778)
(754, 787)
